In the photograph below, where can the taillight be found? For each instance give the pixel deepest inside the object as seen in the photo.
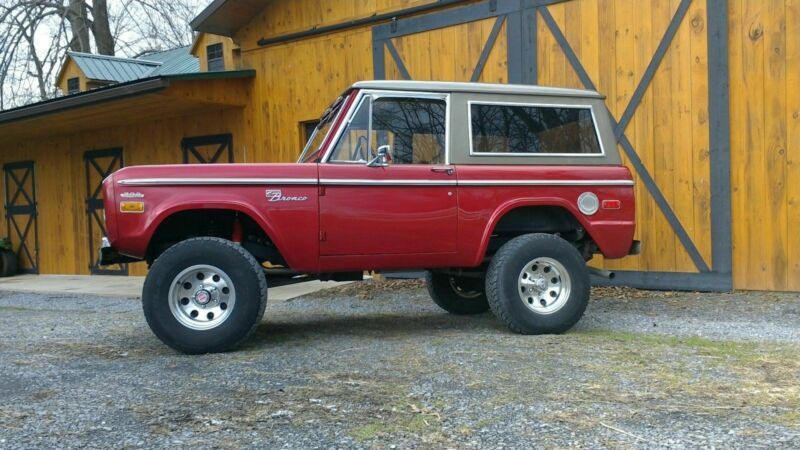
(612, 204)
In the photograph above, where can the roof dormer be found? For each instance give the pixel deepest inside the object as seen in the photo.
(82, 72)
(216, 53)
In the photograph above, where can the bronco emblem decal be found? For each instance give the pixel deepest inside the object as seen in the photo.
(276, 195)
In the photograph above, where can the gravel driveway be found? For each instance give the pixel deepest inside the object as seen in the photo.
(379, 366)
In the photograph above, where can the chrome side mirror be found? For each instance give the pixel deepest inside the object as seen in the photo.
(383, 157)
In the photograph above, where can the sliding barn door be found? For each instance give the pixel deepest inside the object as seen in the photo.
(662, 65)
(21, 214)
(208, 149)
(98, 165)
(468, 44)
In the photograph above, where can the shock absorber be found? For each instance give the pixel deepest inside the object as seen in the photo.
(236, 234)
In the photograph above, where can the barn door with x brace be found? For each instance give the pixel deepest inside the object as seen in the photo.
(99, 165)
(208, 149)
(683, 181)
(21, 214)
(465, 44)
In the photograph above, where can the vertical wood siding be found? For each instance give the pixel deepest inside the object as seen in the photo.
(454, 54)
(765, 141)
(284, 17)
(61, 182)
(615, 41)
(295, 84)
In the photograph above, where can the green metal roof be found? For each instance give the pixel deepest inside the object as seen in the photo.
(173, 62)
(114, 92)
(121, 70)
(112, 69)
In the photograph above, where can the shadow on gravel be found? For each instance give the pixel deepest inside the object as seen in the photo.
(379, 325)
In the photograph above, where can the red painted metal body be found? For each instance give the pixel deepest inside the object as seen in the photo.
(327, 217)
(354, 217)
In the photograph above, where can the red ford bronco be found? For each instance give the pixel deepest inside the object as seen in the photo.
(502, 193)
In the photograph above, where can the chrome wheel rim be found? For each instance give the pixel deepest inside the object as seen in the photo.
(460, 291)
(202, 297)
(544, 285)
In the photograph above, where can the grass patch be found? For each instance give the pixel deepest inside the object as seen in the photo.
(367, 432)
(740, 351)
(404, 417)
(789, 419)
(15, 309)
(694, 373)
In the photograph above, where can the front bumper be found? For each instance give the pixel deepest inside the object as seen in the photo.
(109, 256)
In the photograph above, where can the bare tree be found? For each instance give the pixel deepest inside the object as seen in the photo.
(24, 68)
(101, 29)
(144, 26)
(35, 35)
(77, 13)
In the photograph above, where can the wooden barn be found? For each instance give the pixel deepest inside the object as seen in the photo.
(705, 95)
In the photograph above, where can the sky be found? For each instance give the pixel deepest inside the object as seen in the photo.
(128, 42)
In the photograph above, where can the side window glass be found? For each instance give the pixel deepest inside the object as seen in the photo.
(353, 145)
(414, 128)
(520, 129)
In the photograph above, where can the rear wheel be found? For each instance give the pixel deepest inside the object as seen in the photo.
(457, 295)
(538, 284)
(204, 295)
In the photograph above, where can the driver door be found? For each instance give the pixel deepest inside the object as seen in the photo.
(409, 205)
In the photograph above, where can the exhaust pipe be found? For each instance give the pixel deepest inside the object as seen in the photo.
(602, 273)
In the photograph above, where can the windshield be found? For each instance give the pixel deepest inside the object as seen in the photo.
(313, 148)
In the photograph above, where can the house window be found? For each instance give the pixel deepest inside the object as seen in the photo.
(73, 86)
(216, 57)
(519, 129)
(307, 129)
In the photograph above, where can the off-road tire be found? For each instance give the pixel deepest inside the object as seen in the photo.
(504, 273)
(450, 300)
(8, 263)
(238, 264)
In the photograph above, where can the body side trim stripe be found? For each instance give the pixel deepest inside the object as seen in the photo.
(368, 182)
(213, 181)
(545, 183)
(364, 182)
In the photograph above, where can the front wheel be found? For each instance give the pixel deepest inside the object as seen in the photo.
(457, 295)
(538, 284)
(204, 295)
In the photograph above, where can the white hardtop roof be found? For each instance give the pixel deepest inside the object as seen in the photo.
(480, 88)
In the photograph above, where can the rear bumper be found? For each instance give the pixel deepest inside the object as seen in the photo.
(109, 256)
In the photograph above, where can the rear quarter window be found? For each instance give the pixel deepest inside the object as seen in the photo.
(499, 129)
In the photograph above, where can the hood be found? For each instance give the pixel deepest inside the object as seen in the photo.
(221, 174)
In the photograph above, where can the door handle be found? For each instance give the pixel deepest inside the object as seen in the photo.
(447, 170)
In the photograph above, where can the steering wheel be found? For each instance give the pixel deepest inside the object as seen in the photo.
(359, 152)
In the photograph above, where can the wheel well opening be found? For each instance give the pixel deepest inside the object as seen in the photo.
(541, 219)
(220, 223)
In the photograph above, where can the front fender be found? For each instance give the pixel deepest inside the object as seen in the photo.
(298, 250)
(238, 206)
